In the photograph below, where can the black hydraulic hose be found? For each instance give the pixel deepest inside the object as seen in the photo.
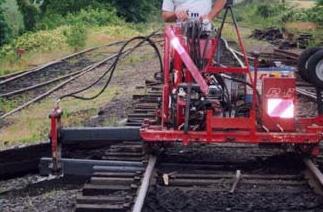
(187, 108)
(226, 96)
(112, 68)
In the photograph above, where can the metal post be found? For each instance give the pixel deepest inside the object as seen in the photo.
(55, 117)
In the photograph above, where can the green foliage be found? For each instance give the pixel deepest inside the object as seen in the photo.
(76, 36)
(261, 13)
(90, 17)
(314, 14)
(264, 13)
(13, 17)
(6, 105)
(319, 2)
(5, 30)
(30, 12)
(134, 11)
(270, 10)
(64, 7)
(40, 41)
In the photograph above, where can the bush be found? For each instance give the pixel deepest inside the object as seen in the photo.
(40, 41)
(319, 2)
(94, 17)
(266, 14)
(76, 36)
(261, 13)
(134, 11)
(90, 17)
(311, 15)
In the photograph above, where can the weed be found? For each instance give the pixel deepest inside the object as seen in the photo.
(7, 105)
(76, 37)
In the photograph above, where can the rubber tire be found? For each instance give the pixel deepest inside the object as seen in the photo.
(302, 63)
(312, 63)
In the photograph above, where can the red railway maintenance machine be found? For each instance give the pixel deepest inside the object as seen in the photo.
(211, 94)
(204, 100)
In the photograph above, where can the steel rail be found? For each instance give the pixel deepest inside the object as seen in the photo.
(47, 93)
(316, 176)
(82, 72)
(314, 170)
(233, 52)
(28, 72)
(143, 190)
(22, 90)
(19, 91)
(14, 76)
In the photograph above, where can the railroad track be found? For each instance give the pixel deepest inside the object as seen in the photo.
(239, 185)
(217, 173)
(122, 183)
(56, 78)
(68, 64)
(123, 186)
(230, 171)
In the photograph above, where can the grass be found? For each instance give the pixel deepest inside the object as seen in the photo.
(229, 34)
(303, 4)
(97, 36)
(7, 105)
(31, 125)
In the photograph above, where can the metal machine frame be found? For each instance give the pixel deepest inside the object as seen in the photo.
(304, 133)
(307, 131)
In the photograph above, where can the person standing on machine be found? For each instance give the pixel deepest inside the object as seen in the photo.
(181, 10)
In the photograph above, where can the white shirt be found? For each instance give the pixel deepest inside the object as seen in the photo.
(202, 7)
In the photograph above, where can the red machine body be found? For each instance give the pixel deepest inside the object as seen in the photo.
(271, 116)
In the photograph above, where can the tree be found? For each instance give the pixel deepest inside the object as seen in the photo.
(5, 31)
(136, 11)
(30, 12)
(319, 2)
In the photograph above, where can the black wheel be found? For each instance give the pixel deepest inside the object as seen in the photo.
(303, 65)
(315, 69)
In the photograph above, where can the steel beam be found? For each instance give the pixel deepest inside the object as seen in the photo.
(118, 169)
(85, 168)
(17, 162)
(109, 134)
